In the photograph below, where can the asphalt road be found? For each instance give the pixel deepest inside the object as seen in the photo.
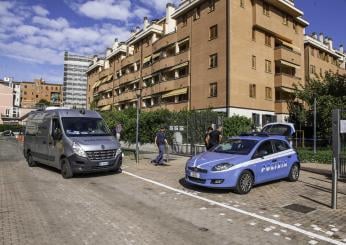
(38, 206)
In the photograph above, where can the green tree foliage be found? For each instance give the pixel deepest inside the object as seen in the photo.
(330, 93)
(235, 125)
(43, 102)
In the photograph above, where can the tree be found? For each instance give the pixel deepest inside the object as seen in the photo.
(330, 93)
(43, 102)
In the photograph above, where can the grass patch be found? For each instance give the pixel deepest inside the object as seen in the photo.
(324, 156)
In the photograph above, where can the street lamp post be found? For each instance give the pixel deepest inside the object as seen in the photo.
(138, 94)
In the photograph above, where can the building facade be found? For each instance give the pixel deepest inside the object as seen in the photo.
(6, 101)
(33, 92)
(75, 80)
(321, 57)
(238, 57)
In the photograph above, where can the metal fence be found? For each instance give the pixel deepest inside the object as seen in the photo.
(342, 155)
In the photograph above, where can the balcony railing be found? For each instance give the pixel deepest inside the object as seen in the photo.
(286, 80)
(285, 54)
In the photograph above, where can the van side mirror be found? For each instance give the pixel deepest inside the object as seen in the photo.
(57, 134)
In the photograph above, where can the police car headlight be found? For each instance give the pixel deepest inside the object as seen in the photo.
(222, 166)
(77, 149)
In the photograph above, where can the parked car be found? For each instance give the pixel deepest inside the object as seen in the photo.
(284, 129)
(73, 141)
(242, 162)
(7, 133)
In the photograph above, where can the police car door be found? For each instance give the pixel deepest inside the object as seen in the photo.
(284, 159)
(263, 158)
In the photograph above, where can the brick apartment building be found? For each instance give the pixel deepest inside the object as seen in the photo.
(238, 57)
(33, 92)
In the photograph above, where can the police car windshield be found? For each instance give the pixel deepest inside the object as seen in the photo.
(79, 127)
(236, 146)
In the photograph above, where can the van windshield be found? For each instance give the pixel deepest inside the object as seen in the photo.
(81, 126)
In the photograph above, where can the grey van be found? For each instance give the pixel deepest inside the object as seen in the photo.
(73, 141)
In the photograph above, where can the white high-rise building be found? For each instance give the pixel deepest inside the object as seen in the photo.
(75, 80)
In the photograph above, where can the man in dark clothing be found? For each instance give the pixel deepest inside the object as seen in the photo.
(160, 141)
(206, 137)
(215, 138)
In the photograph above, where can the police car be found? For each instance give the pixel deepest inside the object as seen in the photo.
(244, 161)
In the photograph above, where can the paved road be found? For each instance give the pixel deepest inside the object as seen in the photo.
(148, 205)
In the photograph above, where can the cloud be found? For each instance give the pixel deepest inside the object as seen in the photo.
(26, 30)
(106, 9)
(159, 5)
(58, 23)
(40, 10)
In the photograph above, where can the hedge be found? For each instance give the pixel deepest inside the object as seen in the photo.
(14, 128)
(306, 155)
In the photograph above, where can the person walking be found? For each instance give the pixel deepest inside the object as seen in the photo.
(160, 141)
(215, 138)
(206, 137)
(118, 130)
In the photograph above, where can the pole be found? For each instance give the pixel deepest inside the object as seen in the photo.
(137, 131)
(315, 115)
(336, 155)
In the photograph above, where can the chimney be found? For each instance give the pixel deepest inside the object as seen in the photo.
(145, 23)
(108, 51)
(314, 35)
(341, 48)
(138, 29)
(326, 40)
(171, 23)
(95, 59)
(115, 44)
(330, 43)
(321, 37)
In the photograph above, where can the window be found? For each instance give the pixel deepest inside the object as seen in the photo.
(213, 61)
(268, 40)
(284, 19)
(256, 119)
(252, 90)
(268, 67)
(253, 62)
(264, 149)
(269, 95)
(211, 5)
(213, 32)
(24, 92)
(312, 69)
(242, 3)
(213, 90)
(196, 14)
(280, 145)
(266, 9)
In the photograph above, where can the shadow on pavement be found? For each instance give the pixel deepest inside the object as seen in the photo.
(315, 201)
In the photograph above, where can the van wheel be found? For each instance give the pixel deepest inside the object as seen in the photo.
(66, 170)
(31, 161)
(294, 173)
(245, 183)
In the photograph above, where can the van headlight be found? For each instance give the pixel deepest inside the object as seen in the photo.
(118, 152)
(78, 150)
(222, 166)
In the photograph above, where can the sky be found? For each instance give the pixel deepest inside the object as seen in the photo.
(35, 33)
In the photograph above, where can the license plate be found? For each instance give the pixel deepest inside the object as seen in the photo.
(103, 163)
(195, 175)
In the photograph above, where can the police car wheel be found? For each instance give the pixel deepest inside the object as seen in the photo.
(245, 182)
(66, 170)
(294, 173)
(31, 161)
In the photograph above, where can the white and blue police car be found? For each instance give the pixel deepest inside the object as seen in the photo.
(244, 161)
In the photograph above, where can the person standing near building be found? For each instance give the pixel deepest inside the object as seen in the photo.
(118, 130)
(206, 137)
(160, 141)
(215, 138)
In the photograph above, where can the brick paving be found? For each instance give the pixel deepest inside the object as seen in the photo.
(38, 206)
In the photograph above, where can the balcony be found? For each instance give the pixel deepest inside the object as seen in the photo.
(165, 41)
(285, 54)
(182, 57)
(129, 77)
(105, 87)
(151, 90)
(281, 107)
(128, 61)
(105, 72)
(147, 71)
(285, 80)
(129, 95)
(174, 84)
(104, 102)
(163, 63)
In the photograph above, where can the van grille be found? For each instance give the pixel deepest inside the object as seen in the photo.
(101, 155)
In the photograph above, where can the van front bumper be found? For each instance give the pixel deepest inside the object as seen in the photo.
(85, 165)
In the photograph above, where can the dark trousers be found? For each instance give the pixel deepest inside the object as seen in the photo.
(159, 158)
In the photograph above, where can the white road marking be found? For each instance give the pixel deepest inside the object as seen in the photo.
(241, 211)
(203, 208)
(283, 231)
(221, 214)
(267, 229)
(313, 242)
